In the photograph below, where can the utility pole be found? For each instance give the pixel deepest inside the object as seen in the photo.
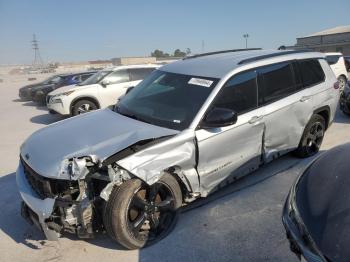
(38, 62)
(246, 40)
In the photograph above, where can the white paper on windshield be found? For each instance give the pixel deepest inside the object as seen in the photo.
(200, 82)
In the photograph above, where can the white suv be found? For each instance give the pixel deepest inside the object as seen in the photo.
(337, 63)
(188, 129)
(99, 91)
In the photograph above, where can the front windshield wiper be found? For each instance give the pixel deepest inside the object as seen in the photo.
(133, 116)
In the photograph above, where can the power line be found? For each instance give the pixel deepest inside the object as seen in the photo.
(38, 62)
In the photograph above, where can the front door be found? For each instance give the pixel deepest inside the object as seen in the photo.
(230, 152)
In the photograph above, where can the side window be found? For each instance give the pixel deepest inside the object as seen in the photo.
(76, 79)
(84, 77)
(139, 73)
(275, 82)
(117, 77)
(311, 72)
(332, 59)
(239, 93)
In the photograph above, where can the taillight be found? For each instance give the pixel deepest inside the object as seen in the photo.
(336, 85)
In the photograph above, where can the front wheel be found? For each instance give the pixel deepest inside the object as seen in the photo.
(312, 138)
(83, 106)
(137, 215)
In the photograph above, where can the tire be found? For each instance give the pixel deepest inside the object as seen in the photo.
(138, 215)
(342, 82)
(83, 106)
(312, 138)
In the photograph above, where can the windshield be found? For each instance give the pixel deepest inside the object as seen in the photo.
(56, 80)
(95, 78)
(47, 81)
(167, 99)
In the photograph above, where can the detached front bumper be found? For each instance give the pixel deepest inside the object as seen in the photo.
(35, 209)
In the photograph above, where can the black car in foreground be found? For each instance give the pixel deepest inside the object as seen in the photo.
(345, 100)
(316, 214)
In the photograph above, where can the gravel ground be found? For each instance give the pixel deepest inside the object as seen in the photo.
(239, 223)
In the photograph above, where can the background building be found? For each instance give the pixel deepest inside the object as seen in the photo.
(331, 40)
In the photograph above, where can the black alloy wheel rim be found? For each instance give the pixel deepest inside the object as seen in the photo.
(84, 108)
(314, 138)
(151, 212)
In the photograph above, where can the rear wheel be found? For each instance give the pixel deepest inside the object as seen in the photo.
(137, 215)
(312, 138)
(83, 106)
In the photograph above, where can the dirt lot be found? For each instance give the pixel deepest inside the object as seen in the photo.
(240, 223)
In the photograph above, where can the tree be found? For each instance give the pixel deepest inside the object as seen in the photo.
(158, 53)
(188, 51)
(179, 53)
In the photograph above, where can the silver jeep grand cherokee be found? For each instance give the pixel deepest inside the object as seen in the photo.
(186, 130)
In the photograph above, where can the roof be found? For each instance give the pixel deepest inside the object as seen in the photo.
(331, 31)
(115, 68)
(219, 65)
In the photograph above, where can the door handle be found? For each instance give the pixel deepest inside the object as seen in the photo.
(304, 99)
(255, 119)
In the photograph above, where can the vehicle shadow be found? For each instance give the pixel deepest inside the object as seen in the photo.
(19, 100)
(47, 119)
(11, 222)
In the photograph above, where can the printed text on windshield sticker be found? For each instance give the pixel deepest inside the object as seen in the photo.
(200, 82)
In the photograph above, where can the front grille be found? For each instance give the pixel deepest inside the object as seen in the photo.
(48, 187)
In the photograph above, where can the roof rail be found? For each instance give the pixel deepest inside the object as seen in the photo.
(287, 52)
(220, 52)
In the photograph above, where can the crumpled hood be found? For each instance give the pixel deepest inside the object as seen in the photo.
(100, 133)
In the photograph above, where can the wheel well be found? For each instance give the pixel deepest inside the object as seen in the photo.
(93, 100)
(343, 76)
(325, 113)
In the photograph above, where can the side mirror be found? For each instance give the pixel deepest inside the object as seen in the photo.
(105, 82)
(219, 117)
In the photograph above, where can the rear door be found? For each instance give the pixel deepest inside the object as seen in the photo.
(287, 106)
(235, 150)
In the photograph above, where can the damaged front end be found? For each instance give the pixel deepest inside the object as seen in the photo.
(74, 201)
(57, 205)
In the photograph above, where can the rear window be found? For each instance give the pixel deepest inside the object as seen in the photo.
(332, 59)
(275, 82)
(311, 72)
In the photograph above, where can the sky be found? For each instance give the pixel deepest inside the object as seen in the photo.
(82, 30)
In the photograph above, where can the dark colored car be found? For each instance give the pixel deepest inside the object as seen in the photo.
(25, 92)
(39, 93)
(347, 63)
(345, 100)
(316, 214)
